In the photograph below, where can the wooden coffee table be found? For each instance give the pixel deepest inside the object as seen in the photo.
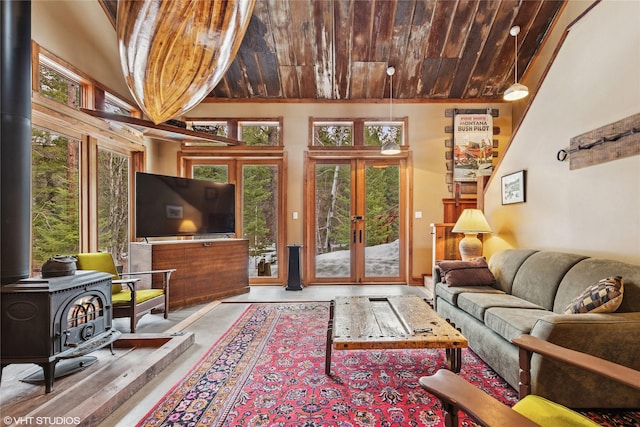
(363, 323)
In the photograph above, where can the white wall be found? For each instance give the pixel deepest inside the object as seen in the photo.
(594, 81)
(80, 33)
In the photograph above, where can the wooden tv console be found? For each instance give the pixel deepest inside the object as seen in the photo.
(206, 270)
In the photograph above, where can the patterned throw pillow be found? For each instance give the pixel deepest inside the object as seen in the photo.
(474, 272)
(603, 297)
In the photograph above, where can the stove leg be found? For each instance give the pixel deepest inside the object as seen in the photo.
(49, 375)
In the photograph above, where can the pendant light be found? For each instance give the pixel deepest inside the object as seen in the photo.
(390, 147)
(516, 91)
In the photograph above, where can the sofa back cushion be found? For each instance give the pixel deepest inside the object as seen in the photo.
(505, 264)
(589, 271)
(539, 276)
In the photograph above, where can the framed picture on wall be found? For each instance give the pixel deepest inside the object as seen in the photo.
(513, 188)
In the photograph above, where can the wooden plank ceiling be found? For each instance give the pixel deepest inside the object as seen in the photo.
(340, 49)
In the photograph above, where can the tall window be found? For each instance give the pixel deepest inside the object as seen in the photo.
(258, 180)
(69, 195)
(260, 217)
(55, 193)
(113, 205)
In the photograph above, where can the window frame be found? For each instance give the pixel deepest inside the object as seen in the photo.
(235, 157)
(92, 133)
(358, 125)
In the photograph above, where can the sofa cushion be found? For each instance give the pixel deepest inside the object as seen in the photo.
(510, 323)
(590, 270)
(450, 293)
(603, 297)
(505, 264)
(475, 304)
(473, 272)
(540, 275)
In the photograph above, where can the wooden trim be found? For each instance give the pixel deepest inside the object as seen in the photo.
(57, 117)
(214, 100)
(93, 233)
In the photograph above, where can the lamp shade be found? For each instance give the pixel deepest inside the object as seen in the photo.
(516, 91)
(390, 147)
(187, 227)
(471, 221)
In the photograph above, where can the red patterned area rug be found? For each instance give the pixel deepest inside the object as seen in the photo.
(268, 370)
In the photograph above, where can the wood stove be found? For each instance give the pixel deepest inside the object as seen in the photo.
(47, 320)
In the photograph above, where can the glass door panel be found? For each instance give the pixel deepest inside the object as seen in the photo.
(382, 220)
(333, 225)
(356, 210)
(260, 218)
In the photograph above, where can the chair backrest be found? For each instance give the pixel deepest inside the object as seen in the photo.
(100, 261)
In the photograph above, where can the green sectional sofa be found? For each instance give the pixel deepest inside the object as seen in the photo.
(531, 292)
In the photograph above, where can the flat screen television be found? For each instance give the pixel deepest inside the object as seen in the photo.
(174, 206)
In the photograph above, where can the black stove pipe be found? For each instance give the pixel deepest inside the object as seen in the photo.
(15, 140)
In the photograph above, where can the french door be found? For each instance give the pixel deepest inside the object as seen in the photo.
(357, 230)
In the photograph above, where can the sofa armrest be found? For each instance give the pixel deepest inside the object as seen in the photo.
(611, 336)
(614, 337)
(529, 345)
(436, 275)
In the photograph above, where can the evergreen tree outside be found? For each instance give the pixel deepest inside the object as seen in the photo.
(55, 202)
(113, 205)
(214, 173)
(258, 202)
(260, 134)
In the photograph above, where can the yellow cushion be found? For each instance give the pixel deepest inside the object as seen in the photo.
(100, 261)
(142, 295)
(547, 413)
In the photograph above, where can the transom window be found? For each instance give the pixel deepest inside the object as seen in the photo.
(357, 133)
(59, 86)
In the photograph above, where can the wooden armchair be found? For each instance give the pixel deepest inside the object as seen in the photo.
(129, 301)
(457, 394)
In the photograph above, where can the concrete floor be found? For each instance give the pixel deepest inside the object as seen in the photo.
(211, 321)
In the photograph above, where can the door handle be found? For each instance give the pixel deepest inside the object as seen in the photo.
(360, 236)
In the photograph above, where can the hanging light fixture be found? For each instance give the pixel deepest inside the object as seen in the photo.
(516, 91)
(390, 146)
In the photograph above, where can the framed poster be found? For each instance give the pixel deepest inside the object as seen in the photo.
(472, 146)
(513, 188)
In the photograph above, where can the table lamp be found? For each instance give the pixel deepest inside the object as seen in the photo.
(471, 222)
